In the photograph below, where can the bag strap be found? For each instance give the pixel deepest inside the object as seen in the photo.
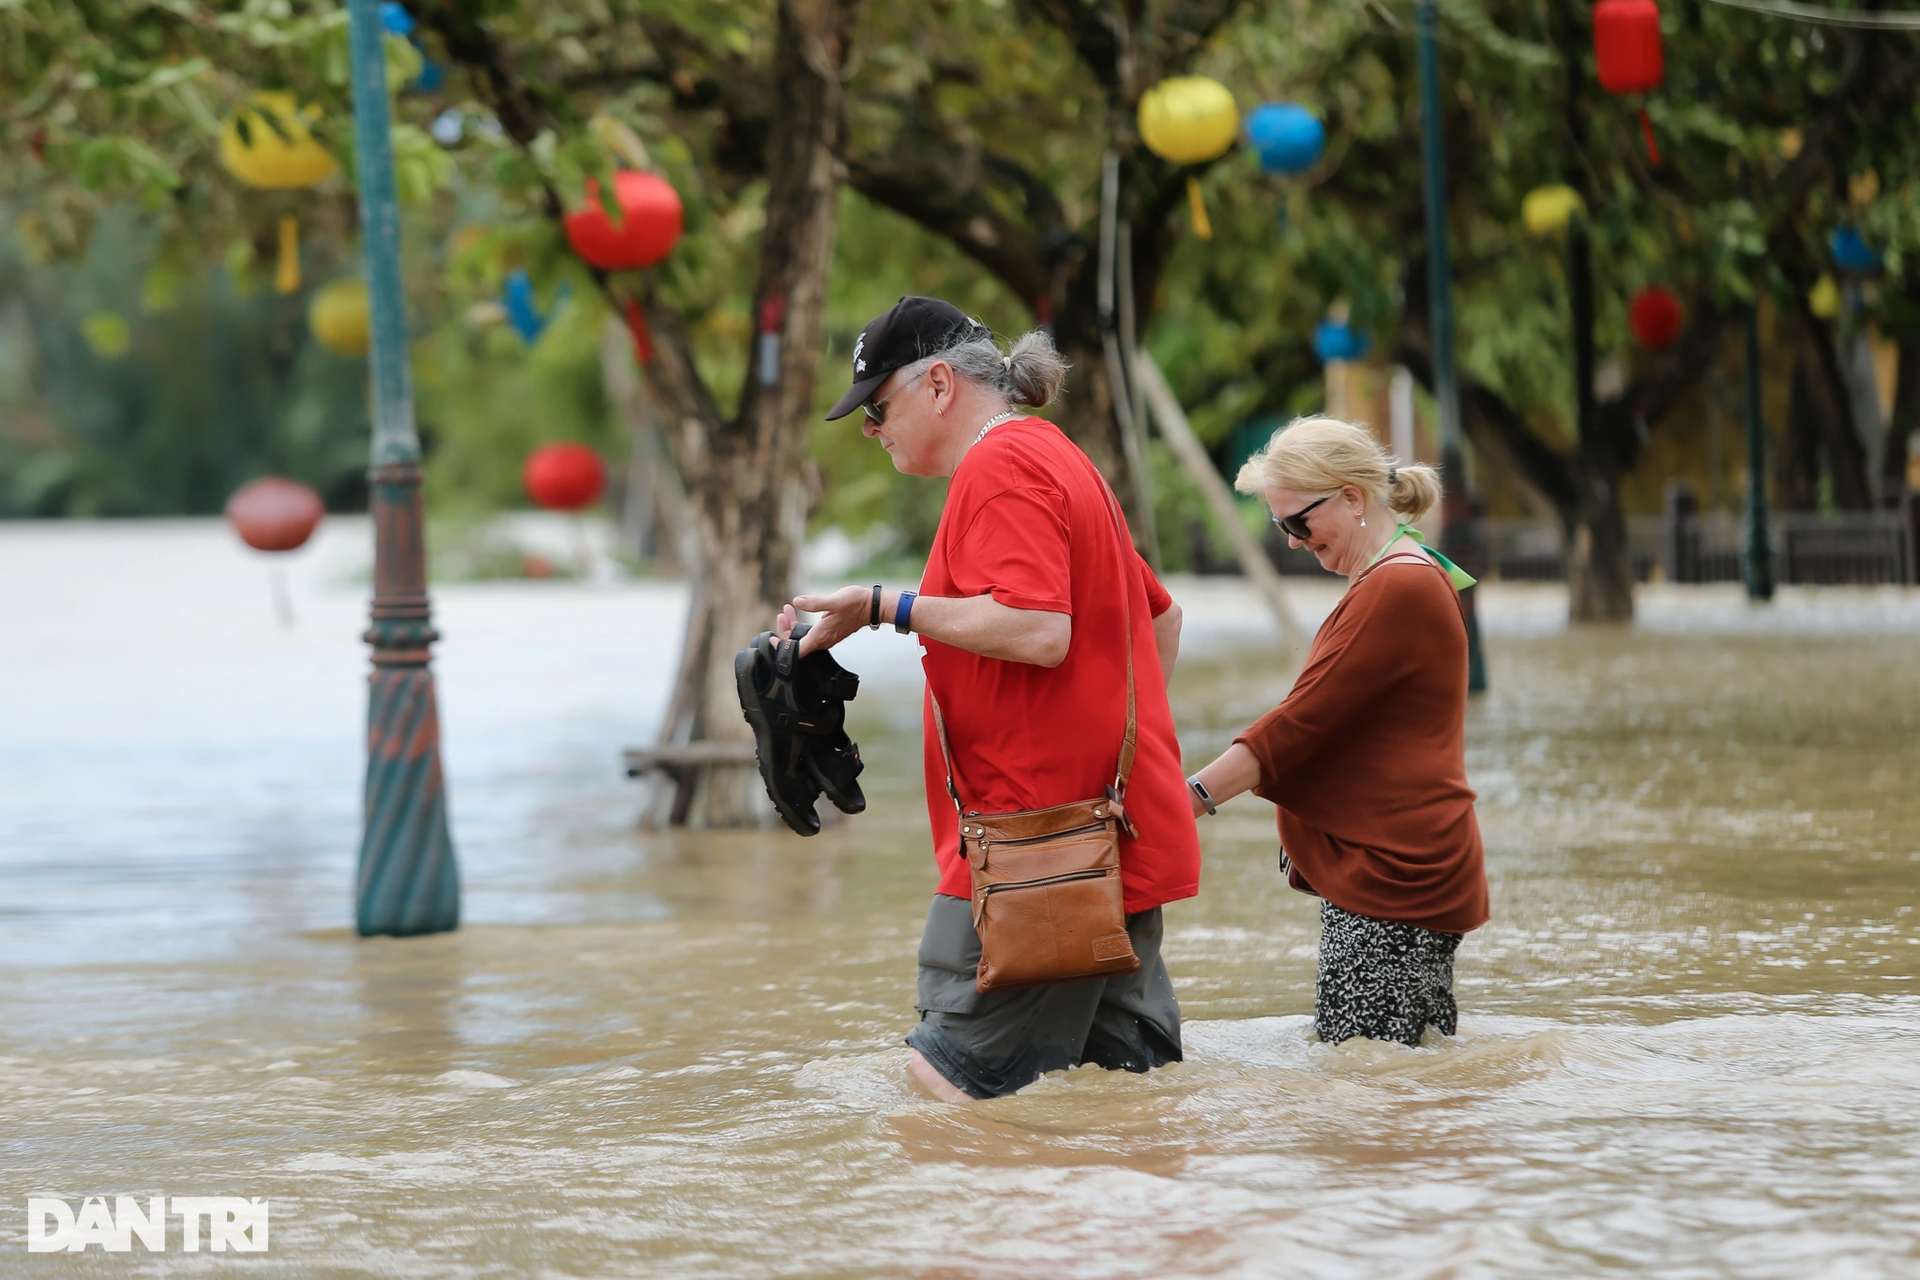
(1127, 742)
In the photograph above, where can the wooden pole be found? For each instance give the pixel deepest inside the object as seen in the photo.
(1193, 456)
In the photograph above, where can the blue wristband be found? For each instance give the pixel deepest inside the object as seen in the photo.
(903, 613)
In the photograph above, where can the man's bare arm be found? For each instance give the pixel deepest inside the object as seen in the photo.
(978, 624)
(1166, 638)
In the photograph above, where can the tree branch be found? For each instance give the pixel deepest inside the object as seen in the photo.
(940, 191)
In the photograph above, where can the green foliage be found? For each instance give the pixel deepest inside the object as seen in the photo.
(112, 407)
(115, 104)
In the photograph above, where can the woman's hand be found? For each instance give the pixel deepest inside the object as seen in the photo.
(1235, 770)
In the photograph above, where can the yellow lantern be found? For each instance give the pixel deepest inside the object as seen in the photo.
(1190, 120)
(339, 317)
(1824, 298)
(1546, 211)
(276, 148)
(269, 144)
(1863, 188)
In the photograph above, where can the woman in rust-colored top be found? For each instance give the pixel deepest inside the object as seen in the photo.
(1366, 756)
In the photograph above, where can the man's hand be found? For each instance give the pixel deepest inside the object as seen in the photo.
(843, 613)
(978, 624)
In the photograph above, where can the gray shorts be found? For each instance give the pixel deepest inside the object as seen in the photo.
(996, 1043)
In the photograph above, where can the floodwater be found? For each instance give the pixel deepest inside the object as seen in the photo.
(1688, 1038)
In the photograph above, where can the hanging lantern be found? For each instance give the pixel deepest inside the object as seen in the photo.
(1338, 340)
(269, 144)
(340, 319)
(1655, 316)
(1627, 53)
(516, 298)
(107, 333)
(1851, 253)
(272, 514)
(564, 477)
(1288, 137)
(1824, 298)
(1189, 120)
(1546, 211)
(1863, 188)
(652, 218)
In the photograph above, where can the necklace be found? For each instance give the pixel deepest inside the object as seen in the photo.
(992, 422)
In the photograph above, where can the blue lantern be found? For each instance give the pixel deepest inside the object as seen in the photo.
(1851, 252)
(517, 301)
(1338, 340)
(1288, 137)
(395, 18)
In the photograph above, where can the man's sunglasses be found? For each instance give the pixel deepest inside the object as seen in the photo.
(1295, 525)
(877, 409)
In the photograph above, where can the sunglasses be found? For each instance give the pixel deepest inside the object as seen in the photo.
(1295, 525)
(877, 409)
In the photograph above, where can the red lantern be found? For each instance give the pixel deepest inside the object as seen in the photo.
(565, 477)
(1626, 44)
(1626, 49)
(271, 514)
(1655, 316)
(651, 221)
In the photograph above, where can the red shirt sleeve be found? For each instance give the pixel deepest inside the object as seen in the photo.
(1158, 597)
(1016, 549)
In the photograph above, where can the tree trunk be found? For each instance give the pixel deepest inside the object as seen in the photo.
(1798, 472)
(1833, 405)
(749, 480)
(654, 522)
(1599, 558)
(1906, 417)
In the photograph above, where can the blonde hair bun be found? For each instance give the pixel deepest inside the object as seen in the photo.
(1321, 454)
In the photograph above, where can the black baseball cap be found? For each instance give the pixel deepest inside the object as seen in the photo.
(914, 327)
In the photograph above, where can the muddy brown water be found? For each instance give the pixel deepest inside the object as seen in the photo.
(1689, 1040)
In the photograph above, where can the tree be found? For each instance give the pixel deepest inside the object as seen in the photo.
(124, 101)
(1723, 220)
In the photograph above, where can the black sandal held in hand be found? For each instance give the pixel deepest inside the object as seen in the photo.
(823, 687)
(797, 710)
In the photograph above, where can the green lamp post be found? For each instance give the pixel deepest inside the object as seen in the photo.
(1458, 537)
(408, 880)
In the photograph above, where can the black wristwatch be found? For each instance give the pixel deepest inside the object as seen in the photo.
(873, 616)
(1201, 793)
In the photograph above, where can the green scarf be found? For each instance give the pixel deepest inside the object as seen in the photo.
(1459, 577)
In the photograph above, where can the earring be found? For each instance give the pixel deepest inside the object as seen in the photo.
(1363, 522)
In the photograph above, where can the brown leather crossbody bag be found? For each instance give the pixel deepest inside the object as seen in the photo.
(1046, 882)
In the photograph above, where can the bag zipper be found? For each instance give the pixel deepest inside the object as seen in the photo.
(988, 891)
(1051, 835)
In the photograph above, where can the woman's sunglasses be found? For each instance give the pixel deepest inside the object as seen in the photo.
(1295, 525)
(877, 409)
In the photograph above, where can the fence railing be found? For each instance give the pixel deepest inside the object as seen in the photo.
(1828, 548)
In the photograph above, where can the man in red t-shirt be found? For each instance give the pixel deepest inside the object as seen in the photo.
(1030, 582)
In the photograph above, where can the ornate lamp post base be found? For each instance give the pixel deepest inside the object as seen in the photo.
(409, 882)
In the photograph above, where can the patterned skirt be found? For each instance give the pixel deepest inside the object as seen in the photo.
(1382, 980)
